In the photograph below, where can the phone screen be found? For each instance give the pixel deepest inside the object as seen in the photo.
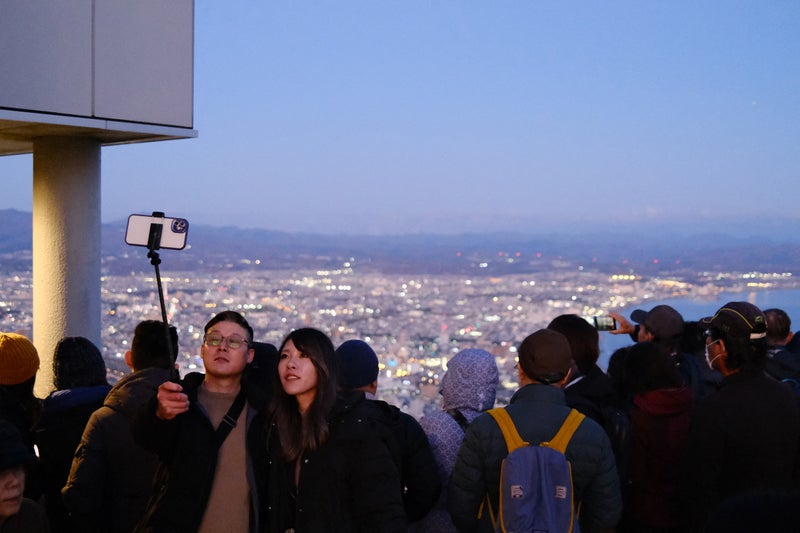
(605, 323)
(173, 231)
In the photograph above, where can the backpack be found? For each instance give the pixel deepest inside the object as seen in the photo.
(535, 493)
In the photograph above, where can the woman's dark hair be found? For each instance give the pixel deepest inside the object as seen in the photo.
(649, 367)
(77, 362)
(230, 316)
(300, 433)
(582, 337)
(743, 353)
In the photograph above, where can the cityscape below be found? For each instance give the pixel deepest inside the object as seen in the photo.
(415, 322)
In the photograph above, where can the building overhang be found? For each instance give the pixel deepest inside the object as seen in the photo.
(19, 129)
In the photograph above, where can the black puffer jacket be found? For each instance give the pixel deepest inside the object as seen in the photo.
(65, 414)
(111, 476)
(188, 460)
(350, 484)
(408, 444)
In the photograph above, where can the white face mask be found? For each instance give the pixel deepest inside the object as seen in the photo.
(711, 361)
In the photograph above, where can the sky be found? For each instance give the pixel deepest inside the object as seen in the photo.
(444, 116)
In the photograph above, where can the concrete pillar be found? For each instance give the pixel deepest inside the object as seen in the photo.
(66, 246)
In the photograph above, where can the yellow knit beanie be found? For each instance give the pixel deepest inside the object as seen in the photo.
(19, 360)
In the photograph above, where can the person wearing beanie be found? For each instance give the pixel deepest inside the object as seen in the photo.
(538, 409)
(406, 440)
(746, 435)
(19, 362)
(18, 514)
(81, 386)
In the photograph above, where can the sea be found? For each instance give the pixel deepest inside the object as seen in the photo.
(788, 300)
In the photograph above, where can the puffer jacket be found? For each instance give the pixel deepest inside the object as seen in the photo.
(410, 450)
(538, 411)
(65, 414)
(110, 479)
(349, 484)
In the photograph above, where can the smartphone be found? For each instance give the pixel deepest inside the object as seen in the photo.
(168, 232)
(604, 323)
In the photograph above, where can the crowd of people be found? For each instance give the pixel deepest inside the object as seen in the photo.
(693, 427)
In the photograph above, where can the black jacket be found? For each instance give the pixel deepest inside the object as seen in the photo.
(411, 452)
(349, 484)
(187, 462)
(111, 476)
(64, 417)
(746, 436)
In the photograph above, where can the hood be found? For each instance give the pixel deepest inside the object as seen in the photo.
(663, 402)
(133, 391)
(470, 381)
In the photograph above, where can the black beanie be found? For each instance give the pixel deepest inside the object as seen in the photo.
(13, 451)
(359, 364)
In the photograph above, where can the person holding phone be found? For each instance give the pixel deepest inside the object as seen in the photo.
(664, 326)
(207, 435)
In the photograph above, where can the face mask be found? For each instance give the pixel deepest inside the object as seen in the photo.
(711, 361)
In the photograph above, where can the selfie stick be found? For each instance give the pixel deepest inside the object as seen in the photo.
(153, 244)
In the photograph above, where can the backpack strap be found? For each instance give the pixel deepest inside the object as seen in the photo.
(230, 419)
(510, 433)
(561, 439)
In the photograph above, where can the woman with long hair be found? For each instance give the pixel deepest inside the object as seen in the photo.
(329, 470)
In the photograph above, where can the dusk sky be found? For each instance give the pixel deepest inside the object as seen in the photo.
(445, 116)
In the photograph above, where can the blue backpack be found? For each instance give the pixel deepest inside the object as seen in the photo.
(536, 494)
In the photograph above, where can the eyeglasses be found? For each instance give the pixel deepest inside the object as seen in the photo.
(233, 342)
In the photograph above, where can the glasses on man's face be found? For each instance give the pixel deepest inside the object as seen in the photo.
(233, 342)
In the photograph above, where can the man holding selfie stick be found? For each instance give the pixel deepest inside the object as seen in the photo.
(205, 432)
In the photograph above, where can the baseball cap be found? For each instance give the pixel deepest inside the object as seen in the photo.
(663, 321)
(739, 319)
(545, 355)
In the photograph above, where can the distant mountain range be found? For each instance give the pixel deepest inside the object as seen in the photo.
(212, 247)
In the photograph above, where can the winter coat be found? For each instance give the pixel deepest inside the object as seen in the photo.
(538, 411)
(349, 484)
(188, 456)
(470, 388)
(63, 419)
(590, 392)
(660, 429)
(782, 364)
(410, 451)
(746, 436)
(19, 406)
(111, 475)
(31, 518)
(594, 395)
